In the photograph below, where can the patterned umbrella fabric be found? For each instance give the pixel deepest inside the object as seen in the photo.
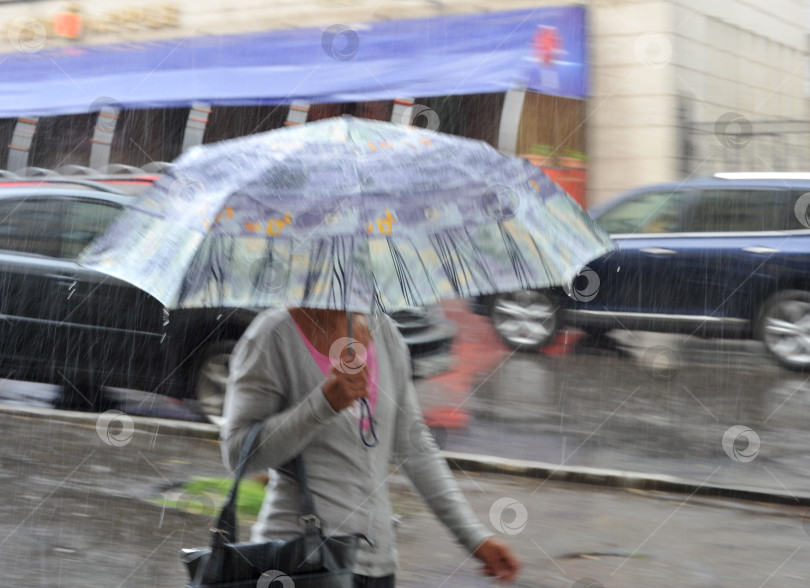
(347, 214)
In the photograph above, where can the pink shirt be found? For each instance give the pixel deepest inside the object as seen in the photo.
(368, 354)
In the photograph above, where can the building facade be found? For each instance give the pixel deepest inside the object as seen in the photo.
(675, 88)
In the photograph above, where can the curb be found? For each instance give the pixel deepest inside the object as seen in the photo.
(461, 461)
(145, 424)
(614, 479)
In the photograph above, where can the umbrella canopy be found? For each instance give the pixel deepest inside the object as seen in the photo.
(347, 214)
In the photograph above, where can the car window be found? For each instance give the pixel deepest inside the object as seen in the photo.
(31, 225)
(723, 210)
(84, 221)
(649, 212)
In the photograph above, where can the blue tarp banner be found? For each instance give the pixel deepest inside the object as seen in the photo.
(542, 49)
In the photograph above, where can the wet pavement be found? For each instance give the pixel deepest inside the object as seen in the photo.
(706, 411)
(81, 509)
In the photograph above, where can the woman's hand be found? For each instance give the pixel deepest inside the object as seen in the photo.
(346, 383)
(499, 560)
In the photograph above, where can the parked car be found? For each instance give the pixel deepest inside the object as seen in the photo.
(727, 256)
(65, 324)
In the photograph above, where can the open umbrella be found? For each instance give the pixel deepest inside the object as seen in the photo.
(346, 214)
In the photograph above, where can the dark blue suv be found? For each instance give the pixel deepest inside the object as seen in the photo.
(727, 256)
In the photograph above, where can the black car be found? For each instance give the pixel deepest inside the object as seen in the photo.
(727, 256)
(65, 324)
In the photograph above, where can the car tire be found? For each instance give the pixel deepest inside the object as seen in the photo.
(210, 376)
(526, 320)
(784, 328)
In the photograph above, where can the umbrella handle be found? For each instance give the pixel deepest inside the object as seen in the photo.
(365, 408)
(351, 334)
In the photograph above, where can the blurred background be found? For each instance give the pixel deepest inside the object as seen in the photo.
(623, 93)
(682, 126)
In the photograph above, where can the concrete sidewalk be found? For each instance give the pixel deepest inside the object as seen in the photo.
(81, 510)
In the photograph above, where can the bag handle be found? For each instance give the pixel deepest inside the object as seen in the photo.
(226, 525)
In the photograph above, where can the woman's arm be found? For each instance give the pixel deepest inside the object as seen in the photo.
(256, 392)
(430, 474)
(415, 449)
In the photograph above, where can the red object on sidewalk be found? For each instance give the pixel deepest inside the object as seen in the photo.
(477, 351)
(564, 344)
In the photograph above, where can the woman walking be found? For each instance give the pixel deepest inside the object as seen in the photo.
(349, 411)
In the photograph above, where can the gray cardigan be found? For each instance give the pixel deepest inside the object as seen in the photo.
(274, 379)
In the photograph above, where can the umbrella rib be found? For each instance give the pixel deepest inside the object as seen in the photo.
(516, 258)
(446, 257)
(542, 260)
(477, 261)
(404, 276)
(313, 272)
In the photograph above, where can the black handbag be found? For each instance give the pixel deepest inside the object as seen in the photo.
(310, 560)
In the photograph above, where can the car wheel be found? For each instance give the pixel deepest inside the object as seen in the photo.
(210, 377)
(526, 320)
(784, 328)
